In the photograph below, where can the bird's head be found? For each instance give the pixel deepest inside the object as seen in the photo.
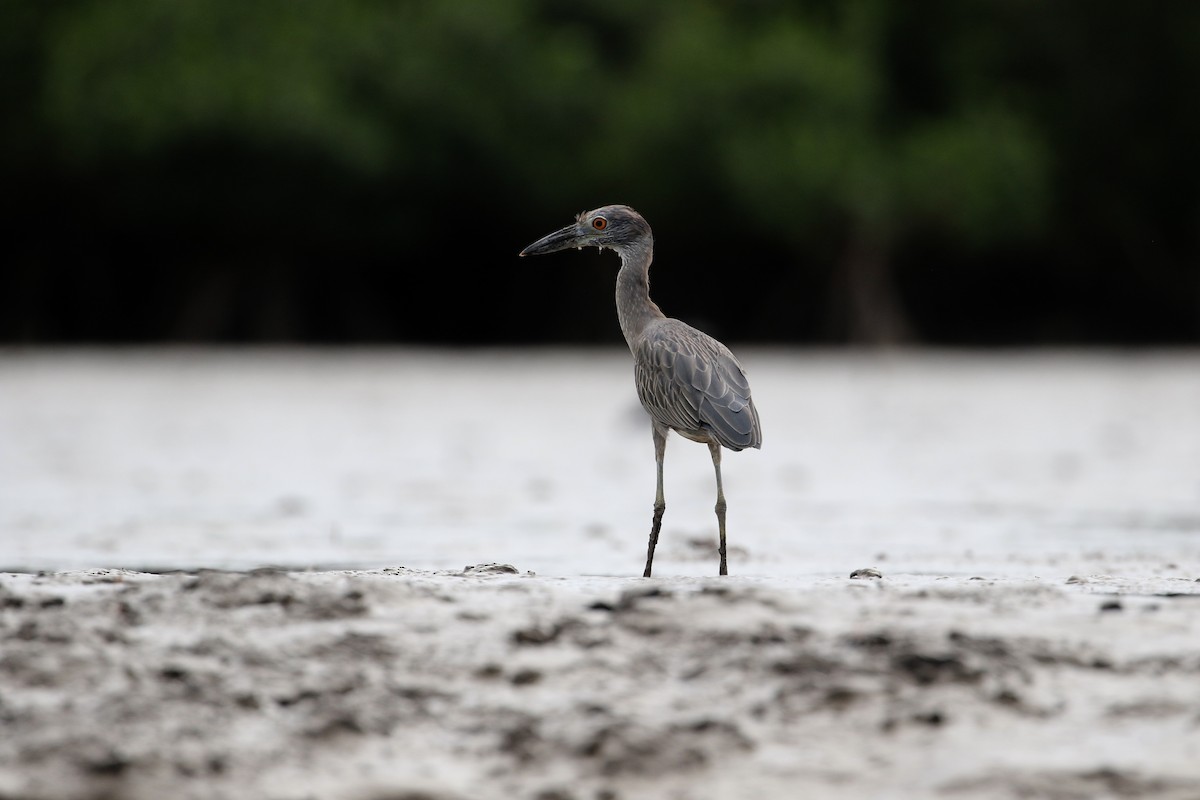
(618, 227)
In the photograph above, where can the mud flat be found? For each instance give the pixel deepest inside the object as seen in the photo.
(241, 574)
(399, 683)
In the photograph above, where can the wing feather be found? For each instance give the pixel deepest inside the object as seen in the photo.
(689, 381)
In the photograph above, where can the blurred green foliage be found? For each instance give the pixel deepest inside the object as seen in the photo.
(874, 170)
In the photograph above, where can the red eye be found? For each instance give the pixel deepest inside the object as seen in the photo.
(599, 223)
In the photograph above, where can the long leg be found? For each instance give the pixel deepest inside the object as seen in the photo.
(715, 450)
(660, 504)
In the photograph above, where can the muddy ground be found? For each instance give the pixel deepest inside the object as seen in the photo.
(241, 575)
(404, 684)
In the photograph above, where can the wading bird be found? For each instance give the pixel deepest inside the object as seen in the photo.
(687, 381)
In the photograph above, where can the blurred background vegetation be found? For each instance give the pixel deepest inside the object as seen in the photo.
(995, 172)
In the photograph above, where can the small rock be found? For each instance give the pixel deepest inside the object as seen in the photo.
(866, 572)
(1111, 605)
(491, 569)
(1076, 579)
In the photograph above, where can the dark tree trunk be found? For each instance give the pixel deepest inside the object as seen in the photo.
(865, 306)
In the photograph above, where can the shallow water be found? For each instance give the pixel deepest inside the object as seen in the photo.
(914, 462)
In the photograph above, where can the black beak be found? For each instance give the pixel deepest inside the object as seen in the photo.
(559, 240)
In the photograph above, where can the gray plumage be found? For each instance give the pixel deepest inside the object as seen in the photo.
(686, 380)
(691, 383)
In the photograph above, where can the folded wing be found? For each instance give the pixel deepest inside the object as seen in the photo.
(689, 381)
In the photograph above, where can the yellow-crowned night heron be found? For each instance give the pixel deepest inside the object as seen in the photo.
(687, 381)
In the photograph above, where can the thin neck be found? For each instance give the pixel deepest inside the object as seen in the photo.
(635, 309)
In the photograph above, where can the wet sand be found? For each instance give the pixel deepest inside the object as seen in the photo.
(204, 594)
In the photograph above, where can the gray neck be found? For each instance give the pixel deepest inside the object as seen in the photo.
(635, 309)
